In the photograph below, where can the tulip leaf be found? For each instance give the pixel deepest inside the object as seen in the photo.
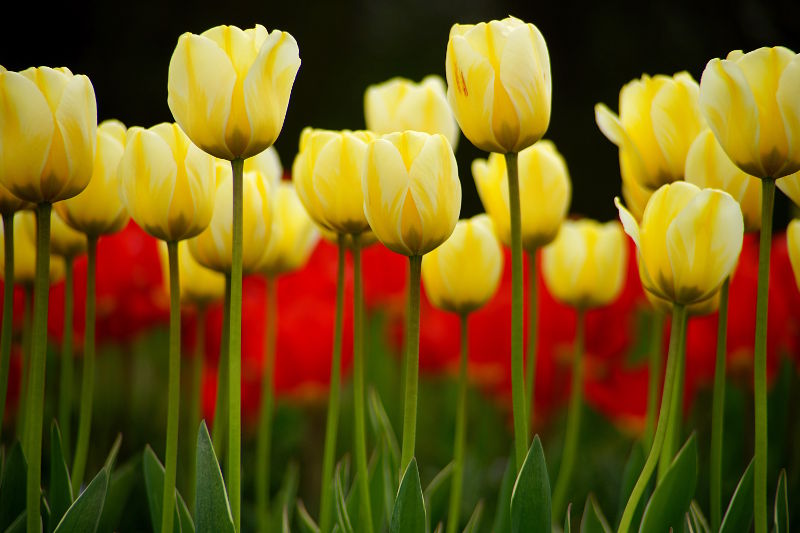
(154, 482)
(285, 520)
(568, 519)
(593, 520)
(698, 520)
(307, 524)
(377, 487)
(212, 510)
(59, 494)
(111, 458)
(382, 427)
(502, 515)
(530, 498)
(12, 487)
(474, 522)
(408, 515)
(343, 518)
(630, 475)
(739, 515)
(83, 516)
(781, 505)
(119, 489)
(285, 497)
(388, 476)
(437, 492)
(673, 495)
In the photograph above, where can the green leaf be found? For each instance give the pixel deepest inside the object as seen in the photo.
(345, 525)
(673, 495)
(698, 520)
(18, 525)
(377, 495)
(388, 475)
(739, 515)
(185, 517)
(307, 524)
(408, 515)
(212, 510)
(154, 482)
(84, 515)
(285, 520)
(382, 427)
(285, 497)
(119, 489)
(111, 458)
(593, 520)
(502, 514)
(475, 520)
(781, 505)
(630, 475)
(530, 499)
(59, 494)
(568, 519)
(13, 486)
(437, 492)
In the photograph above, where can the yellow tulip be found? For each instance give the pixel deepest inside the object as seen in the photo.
(793, 243)
(10, 204)
(498, 83)
(412, 195)
(229, 89)
(64, 240)
(400, 104)
(98, 210)
(464, 272)
(47, 133)
(364, 239)
(167, 183)
(659, 118)
(25, 252)
(635, 195)
(688, 242)
(199, 285)
(544, 188)
(268, 163)
(751, 104)
(790, 185)
(293, 234)
(213, 247)
(707, 166)
(327, 175)
(585, 266)
(706, 307)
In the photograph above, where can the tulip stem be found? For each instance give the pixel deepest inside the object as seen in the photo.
(332, 423)
(675, 421)
(221, 404)
(27, 312)
(654, 368)
(8, 311)
(533, 321)
(193, 414)
(677, 333)
(87, 383)
(35, 403)
(460, 432)
(264, 438)
(571, 438)
(760, 357)
(412, 365)
(66, 379)
(718, 409)
(517, 370)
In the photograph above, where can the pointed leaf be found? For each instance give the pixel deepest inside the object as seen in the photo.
(345, 524)
(285, 497)
(84, 515)
(285, 521)
(376, 488)
(154, 484)
(739, 515)
(119, 489)
(185, 517)
(474, 522)
(781, 505)
(568, 519)
(593, 520)
(408, 515)
(437, 492)
(212, 510)
(388, 481)
(630, 475)
(673, 495)
(307, 524)
(530, 499)
(381, 425)
(18, 525)
(12, 487)
(502, 514)
(111, 458)
(699, 521)
(59, 494)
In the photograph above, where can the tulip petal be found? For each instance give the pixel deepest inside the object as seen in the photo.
(790, 185)
(385, 191)
(793, 244)
(676, 121)
(629, 223)
(632, 165)
(789, 104)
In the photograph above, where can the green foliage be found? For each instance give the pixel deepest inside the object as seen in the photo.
(593, 520)
(781, 505)
(212, 510)
(474, 522)
(342, 515)
(84, 515)
(12, 487)
(120, 487)
(408, 515)
(739, 515)
(530, 499)
(154, 482)
(60, 491)
(673, 495)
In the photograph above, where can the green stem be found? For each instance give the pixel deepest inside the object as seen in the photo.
(675, 421)
(235, 351)
(193, 414)
(27, 318)
(573, 423)
(718, 409)
(67, 364)
(677, 334)
(174, 390)
(456, 483)
(329, 454)
(533, 318)
(412, 365)
(517, 370)
(87, 384)
(221, 404)
(654, 367)
(264, 439)
(760, 358)
(8, 311)
(35, 404)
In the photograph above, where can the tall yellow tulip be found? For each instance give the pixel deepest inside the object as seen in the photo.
(293, 234)
(793, 243)
(25, 253)
(400, 104)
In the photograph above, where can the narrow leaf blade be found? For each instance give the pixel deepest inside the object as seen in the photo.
(739, 515)
(530, 499)
(408, 515)
(212, 510)
(84, 515)
(673, 495)
(59, 495)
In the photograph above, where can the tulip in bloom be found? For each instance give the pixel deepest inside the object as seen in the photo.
(412, 195)
(229, 88)
(168, 184)
(544, 187)
(64, 241)
(200, 286)
(498, 83)
(25, 252)
(268, 163)
(450, 284)
(688, 241)
(790, 185)
(10, 204)
(400, 104)
(793, 244)
(293, 235)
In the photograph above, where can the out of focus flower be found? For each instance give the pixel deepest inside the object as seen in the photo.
(64, 240)
(10, 204)
(293, 234)
(25, 252)
(793, 244)
(199, 286)
(790, 185)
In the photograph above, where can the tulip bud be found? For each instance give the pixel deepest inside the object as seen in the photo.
(688, 242)
(464, 272)
(751, 104)
(229, 89)
(544, 189)
(293, 235)
(98, 209)
(400, 104)
(658, 120)
(498, 83)
(327, 175)
(790, 185)
(412, 195)
(793, 244)
(199, 285)
(268, 163)
(25, 252)
(47, 133)
(585, 266)
(167, 183)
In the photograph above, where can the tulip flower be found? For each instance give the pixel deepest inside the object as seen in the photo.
(790, 185)
(24, 253)
(400, 104)
(793, 244)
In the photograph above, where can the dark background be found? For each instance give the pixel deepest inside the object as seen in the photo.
(125, 48)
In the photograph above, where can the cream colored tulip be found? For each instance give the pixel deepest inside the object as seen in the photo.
(268, 163)
(229, 89)
(199, 286)
(10, 204)
(167, 183)
(364, 239)
(659, 119)
(498, 83)
(752, 106)
(793, 244)
(412, 195)
(25, 252)
(585, 266)
(293, 235)
(327, 175)
(688, 242)
(665, 307)
(790, 185)
(464, 272)
(47, 133)
(544, 188)
(400, 104)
